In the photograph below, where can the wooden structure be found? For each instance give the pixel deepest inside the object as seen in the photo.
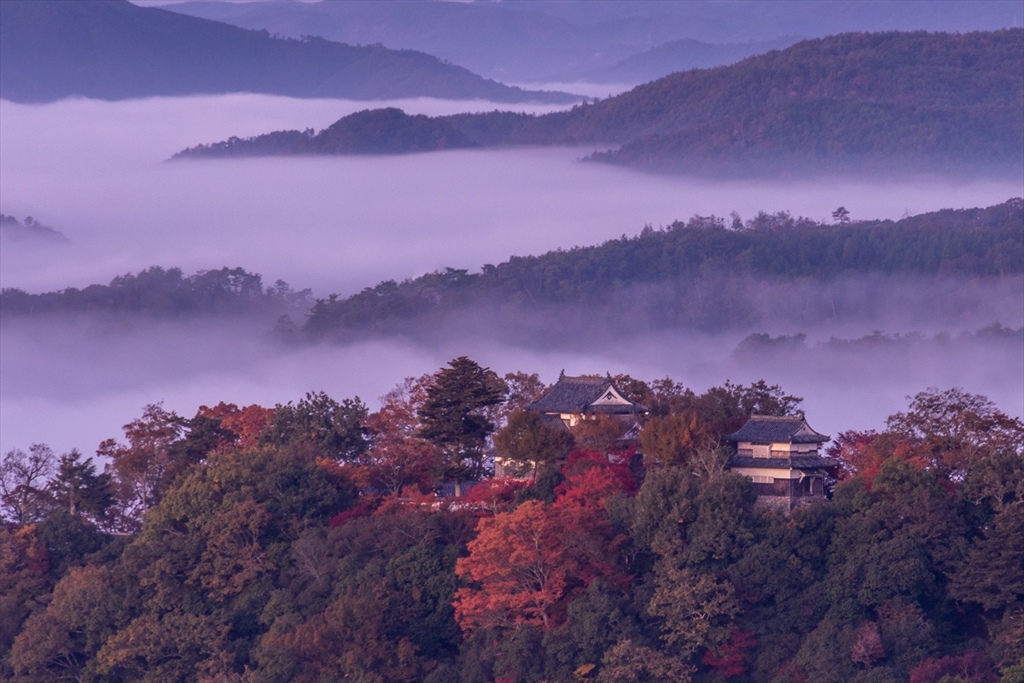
(780, 455)
(573, 399)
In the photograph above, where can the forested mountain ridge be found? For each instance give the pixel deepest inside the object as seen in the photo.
(701, 274)
(112, 49)
(939, 98)
(531, 41)
(901, 101)
(707, 273)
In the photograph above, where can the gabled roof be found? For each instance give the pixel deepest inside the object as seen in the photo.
(585, 395)
(765, 429)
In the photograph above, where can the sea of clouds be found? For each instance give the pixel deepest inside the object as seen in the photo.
(97, 171)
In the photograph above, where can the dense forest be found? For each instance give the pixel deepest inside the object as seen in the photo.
(886, 101)
(707, 274)
(113, 49)
(315, 541)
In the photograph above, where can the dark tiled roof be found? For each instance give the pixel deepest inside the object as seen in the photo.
(554, 421)
(575, 394)
(770, 429)
(795, 462)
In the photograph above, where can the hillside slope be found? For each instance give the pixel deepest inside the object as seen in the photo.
(774, 269)
(877, 102)
(938, 97)
(682, 55)
(112, 49)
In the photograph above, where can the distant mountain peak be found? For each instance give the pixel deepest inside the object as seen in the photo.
(888, 102)
(112, 49)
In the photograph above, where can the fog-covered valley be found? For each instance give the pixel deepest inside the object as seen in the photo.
(97, 172)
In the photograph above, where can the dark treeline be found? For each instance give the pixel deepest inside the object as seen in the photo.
(708, 274)
(304, 543)
(900, 102)
(376, 131)
(702, 274)
(159, 291)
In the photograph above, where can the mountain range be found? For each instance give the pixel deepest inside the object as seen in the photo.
(112, 49)
(560, 41)
(882, 102)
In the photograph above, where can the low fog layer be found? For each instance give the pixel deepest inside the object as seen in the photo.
(95, 172)
(74, 383)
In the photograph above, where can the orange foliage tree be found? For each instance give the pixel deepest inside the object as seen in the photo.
(397, 457)
(518, 568)
(245, 423)
(525, 566)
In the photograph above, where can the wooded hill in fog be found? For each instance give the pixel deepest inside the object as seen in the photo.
(706, 274)
(371, 131)
(164, 292)
(112, 49)
(702, 274)
(900, 102)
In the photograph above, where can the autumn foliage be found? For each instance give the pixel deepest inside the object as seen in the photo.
(525, 565)
(213, 551)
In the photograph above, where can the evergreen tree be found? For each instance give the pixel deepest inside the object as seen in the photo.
(79, 490)
(453, 415)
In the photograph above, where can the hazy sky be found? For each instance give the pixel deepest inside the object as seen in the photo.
(95, 171)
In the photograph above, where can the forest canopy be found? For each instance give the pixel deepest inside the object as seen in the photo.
(316, 540)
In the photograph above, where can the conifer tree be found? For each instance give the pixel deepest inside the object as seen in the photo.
(453, 415)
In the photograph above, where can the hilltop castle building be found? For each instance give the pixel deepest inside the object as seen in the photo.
(780, 455)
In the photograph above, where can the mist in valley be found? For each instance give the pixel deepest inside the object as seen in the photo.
(97, 173)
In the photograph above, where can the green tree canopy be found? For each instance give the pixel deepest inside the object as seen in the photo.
(453, 414)
(320, 425)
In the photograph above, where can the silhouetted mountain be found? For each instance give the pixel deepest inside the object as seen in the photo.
(682, 55)
(568, 40)
(112, 49)
(375, 131)
(888, 102)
